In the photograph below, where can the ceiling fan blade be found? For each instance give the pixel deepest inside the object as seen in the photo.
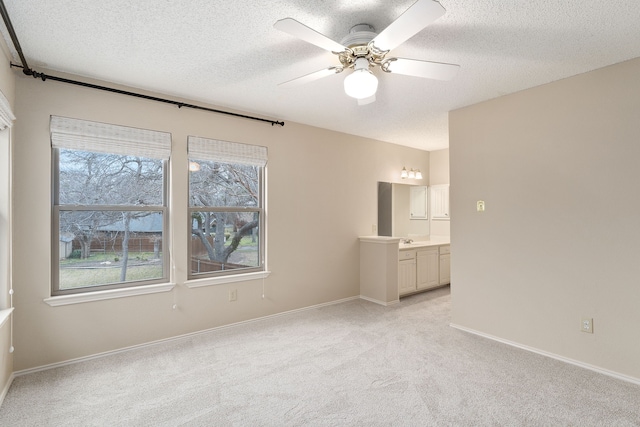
(426, 69)
(301, 31)
(311, 77)
(369, 100)
(414, 19)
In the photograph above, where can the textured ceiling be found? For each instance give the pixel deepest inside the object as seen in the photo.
(228, 54)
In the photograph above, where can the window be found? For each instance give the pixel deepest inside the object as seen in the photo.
(109, 206)
(226, 207)
(6, 121)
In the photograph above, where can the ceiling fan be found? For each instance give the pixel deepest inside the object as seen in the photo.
(363, 50)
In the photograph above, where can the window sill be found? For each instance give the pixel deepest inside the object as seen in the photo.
(109, 294)
(212, 281)
(4, 315)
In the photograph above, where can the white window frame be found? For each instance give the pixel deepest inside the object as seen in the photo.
(233, 153)
(83, 135)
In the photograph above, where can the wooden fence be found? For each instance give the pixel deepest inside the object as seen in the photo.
(138, 242)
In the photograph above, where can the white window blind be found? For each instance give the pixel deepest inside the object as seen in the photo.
(226, 152)
(6, 115)
(85, 135)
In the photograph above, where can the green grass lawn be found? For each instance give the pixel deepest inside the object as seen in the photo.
(77, 273)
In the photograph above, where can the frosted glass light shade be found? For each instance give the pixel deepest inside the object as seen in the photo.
(361, 84)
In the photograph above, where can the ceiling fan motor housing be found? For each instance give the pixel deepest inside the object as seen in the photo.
(358, 44)
(360, 34)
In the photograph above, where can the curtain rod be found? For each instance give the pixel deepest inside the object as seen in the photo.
(179, 104)
(30, 72)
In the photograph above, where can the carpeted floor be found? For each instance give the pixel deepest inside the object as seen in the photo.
(354, 363)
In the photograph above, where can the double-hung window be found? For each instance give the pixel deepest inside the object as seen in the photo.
(226, 207)
(110, 212)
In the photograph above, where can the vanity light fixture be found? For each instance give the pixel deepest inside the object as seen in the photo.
(411, 174)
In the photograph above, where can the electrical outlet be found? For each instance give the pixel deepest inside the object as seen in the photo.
(586, 325)
(233, 295)
(374, 229)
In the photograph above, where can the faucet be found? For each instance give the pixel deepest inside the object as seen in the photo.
(407, 241)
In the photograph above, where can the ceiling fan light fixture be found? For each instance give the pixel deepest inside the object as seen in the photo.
(361, 83)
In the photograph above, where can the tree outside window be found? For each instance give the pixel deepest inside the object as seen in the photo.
(109, 211)
(226, 216)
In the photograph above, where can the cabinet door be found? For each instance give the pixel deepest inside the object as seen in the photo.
(440, 201)
(406, 276)
(418, 202)
(445, 269)
(427, 268)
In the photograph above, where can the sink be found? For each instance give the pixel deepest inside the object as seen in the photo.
(412, 244)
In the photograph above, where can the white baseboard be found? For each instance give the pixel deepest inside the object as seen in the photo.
(603, 371)
(5, 390)
(176, 338)
(378, 301)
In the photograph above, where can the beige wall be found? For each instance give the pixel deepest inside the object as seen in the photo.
(322, 195)
(557, 166)
(439, 167)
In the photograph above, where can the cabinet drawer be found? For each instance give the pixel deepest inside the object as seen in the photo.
(407, 255)
(445, 249)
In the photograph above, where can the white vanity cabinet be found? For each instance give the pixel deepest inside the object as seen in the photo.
(445, 265)
(418, 269)
(390, 269)
(422, 268)
(440, 201)
(406, 271)
(427, 275)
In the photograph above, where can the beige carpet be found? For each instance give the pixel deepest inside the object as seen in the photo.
(355, 363)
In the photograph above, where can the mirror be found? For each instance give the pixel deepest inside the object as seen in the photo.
(402, 210)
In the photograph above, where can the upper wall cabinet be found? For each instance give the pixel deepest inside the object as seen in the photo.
(440, 201)
(418, 202)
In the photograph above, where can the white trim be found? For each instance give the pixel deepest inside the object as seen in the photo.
(6, 388)
(231, 278)
(384, 240)
(386, 304)
(4, 315)
(6, 115)
(176, 338)
(597, 369)
(108, 294)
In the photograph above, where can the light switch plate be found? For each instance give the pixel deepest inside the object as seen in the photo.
(586, 325)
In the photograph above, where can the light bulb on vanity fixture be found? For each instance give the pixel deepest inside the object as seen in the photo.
(403, 173)
(412, 174)
(194, 166)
